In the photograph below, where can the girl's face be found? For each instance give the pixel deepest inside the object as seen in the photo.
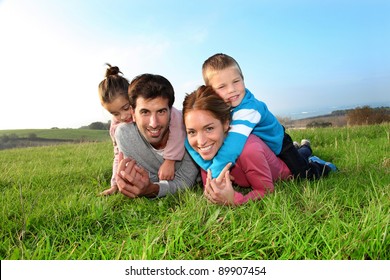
(229, 85)
(205, 133)
(120, 108)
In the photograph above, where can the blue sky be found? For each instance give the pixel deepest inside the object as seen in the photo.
(296, 56)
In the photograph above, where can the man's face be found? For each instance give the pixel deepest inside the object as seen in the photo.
(152, 118)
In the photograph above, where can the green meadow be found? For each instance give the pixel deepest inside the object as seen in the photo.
(62, 134)
(51, 209)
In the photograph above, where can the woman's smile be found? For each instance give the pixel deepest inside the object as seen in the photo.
(207, 152)
(206, 148)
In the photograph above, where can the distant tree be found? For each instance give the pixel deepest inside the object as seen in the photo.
(318, 124)
(367, 115)
(4, 138)
(340, 112)
(32, 136)
(13, 136)
(98, 126)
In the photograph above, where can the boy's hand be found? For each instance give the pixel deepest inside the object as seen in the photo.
(167, 170)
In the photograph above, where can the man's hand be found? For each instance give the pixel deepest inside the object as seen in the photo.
(133, 181)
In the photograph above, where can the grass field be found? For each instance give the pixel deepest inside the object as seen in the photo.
(68, 134)
(51, 209)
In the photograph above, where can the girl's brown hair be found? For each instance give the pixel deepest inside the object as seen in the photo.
(113, 85)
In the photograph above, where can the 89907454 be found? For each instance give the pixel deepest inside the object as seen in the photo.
(241, 270)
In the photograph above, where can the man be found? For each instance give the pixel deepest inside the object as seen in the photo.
(143, 141)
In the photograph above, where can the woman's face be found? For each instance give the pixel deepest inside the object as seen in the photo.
(205, 133)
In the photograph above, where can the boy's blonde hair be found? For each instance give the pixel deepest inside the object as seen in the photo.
(216, 63)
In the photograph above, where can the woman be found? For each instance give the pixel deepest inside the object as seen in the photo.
(207, 117)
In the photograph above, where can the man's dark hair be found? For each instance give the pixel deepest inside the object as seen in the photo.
(150, 86)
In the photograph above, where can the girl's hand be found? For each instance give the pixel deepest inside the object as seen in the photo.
(110, 191)
(167, 170)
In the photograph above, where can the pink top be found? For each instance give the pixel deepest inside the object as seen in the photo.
(175, 146)
(257, 167)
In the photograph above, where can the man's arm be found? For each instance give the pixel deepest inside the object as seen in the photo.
(136, 147)
(185, 177)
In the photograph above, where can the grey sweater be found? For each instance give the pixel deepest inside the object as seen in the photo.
(132, 144)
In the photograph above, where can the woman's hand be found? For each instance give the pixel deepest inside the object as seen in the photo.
(220, 190)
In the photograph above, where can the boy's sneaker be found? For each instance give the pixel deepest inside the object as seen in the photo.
(296, 145)
(323, 162)
(305, 142)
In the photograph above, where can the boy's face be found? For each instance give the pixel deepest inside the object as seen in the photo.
(229, 85)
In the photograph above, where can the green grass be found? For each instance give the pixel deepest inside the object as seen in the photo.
(68, 134)
(51, 210)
